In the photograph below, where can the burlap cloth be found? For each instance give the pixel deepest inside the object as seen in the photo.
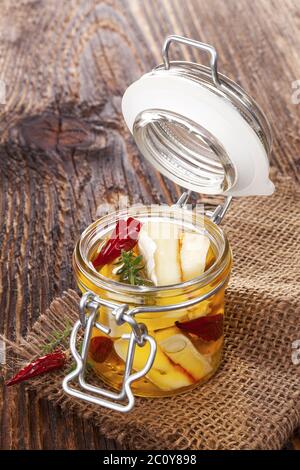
(253, 401)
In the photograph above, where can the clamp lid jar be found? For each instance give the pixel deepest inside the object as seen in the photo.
(205, 133)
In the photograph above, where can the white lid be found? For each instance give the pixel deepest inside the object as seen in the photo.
(196, 136)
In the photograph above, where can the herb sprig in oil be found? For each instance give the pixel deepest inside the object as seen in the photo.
(130, 269)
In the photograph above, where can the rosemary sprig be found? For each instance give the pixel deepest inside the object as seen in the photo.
(60, 338)
(88, 366)
(131, 269)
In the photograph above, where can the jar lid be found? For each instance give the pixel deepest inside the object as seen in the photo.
(199, 128)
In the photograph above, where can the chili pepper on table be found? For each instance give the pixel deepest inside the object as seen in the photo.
(123, 238)
(208, 328)
(43, 364)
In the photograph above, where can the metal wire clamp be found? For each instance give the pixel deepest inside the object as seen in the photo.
(89, 307)
(138, 337)
(215, 215)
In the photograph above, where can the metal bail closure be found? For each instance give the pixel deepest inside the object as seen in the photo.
(124, 400)
(89, 307)
(216, 215)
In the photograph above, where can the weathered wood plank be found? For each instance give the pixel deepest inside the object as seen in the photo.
(64, 149)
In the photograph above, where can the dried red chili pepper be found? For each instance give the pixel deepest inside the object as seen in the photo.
(209, 328)
(100, 348)
(124, 237)
(40, 366)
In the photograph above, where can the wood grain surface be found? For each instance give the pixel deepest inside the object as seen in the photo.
(65, 151)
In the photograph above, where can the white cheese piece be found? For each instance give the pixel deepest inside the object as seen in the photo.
(163, 262)
(147, 248)
(163, 373)
(194, 248)
(181, 351)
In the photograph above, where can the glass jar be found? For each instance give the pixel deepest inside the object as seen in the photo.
(183, 359)
(206, 134)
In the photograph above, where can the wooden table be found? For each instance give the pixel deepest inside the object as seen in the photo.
(65, 149)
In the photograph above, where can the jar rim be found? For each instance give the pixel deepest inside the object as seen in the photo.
(81, 261)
